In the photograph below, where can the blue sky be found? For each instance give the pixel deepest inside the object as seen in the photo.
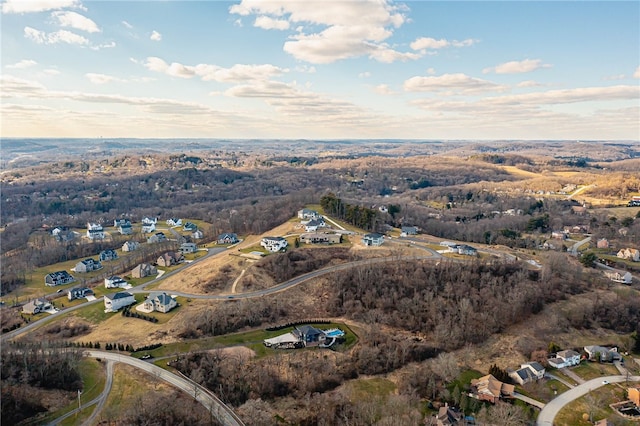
(321, 69)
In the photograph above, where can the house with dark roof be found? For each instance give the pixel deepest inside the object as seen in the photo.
(36, 306)
(308, 214)
(227, 238)
(159, 301)
(130, 246)
(197, 234)
(144, 270)
(58, 278)
(309, 335)
(190, 226)
(95, 231)
(449, 416)
(528, 372)
(320, 238)
(274, 244)
(373, 239)
(170, 258)
(63, 234)
(488, 388)
(79, 293)
(602, 354)
(123, 226)
(114, 301)
(408, 230)
(188, 248)
(174, 221)
(149, 225)
(158, 237)
(115, 282)
(88, 265)
(107, 255)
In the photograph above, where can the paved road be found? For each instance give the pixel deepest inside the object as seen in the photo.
(100, 399)
(579, 190)
(574, 248)
(217, 408)
(549, 412)
(579, 380)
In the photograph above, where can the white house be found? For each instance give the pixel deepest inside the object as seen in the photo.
(149, 225)
(95, 231)
(124, 226)
(160, 302)
(130, 246)
(564, 359)
(273, 244)
(188, 248)
(36, 306)
(88, 265)
(174, 221)
(314, 224)
(373, 239)
(114, 301)
(115, 282)
(629, 254)
(308, 214)
(528, 372)
(466, 250)
(79, 293)
(627, 278)
(58, 278)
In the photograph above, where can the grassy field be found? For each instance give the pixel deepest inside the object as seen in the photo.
(592, 370)
(251, 339)
(594, 405)
(364, 389)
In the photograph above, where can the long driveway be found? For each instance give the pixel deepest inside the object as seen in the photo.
(217, 408)
(553, 407)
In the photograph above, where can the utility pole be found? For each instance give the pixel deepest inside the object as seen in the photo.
(79, 406)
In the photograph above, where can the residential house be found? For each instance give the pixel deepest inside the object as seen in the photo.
(114, 301)
(559, 235)
(602, 354)
(629, 254)
(634, 394)
(602, 243)
(115, 282)
(308, 214)
(149, 225)
(579, 210)
(320, 238)
(88, 265)
(157, 238)
(466, 250)
(408, 230)
(144, 270)
(107, 255)
(449, 416)
(274, 244)
(488, 388)
(95, 231)
(309, 335)
(528, 372)
(130, 246)
(373, 239)
(79, 293)
(197, 234)
(58, 278)
(190, 226)
(449, 244)
(188, 248)
(170, 258)
(314, 224)
(617, 277)
(227, 238)
(63, 234)
(123, 226)
(566, 358)
(160, 301)
(36, 306)
(174, 221)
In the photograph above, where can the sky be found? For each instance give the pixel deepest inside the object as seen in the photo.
(320, 69)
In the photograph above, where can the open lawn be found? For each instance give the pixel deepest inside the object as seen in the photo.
(592, 370)
(594, 406)
(366, 389)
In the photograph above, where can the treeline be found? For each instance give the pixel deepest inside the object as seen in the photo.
(362, 217)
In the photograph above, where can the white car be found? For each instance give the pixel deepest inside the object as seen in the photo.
(605, 382)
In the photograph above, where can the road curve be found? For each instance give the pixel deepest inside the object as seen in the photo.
(213, 404)
(553, 407)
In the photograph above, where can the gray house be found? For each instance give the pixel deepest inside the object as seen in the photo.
(88, 265)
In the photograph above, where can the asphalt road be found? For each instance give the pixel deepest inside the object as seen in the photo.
(549, 412)
(217, 408)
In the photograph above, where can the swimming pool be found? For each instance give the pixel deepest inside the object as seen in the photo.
(334, 332)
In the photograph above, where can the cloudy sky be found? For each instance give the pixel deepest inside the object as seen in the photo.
(321, 69)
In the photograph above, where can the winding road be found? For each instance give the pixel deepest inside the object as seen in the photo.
(553, 407)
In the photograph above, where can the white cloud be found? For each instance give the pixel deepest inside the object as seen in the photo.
(25, 63)
(431, 71)
(207, 72)
(383, 89)
(155, 36)
(127, 25)
(636, 74)
(428, 43)
(108, 45)
(268, 23)
(529, 83)
(75, 20)
(365, 74)
(458, 83)
(305, 69)
(517, 67)
(614, 77)
(566, 96)
(51, 71)
(60, 36)
(101, 78)
(30, 6)
(341, 30)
